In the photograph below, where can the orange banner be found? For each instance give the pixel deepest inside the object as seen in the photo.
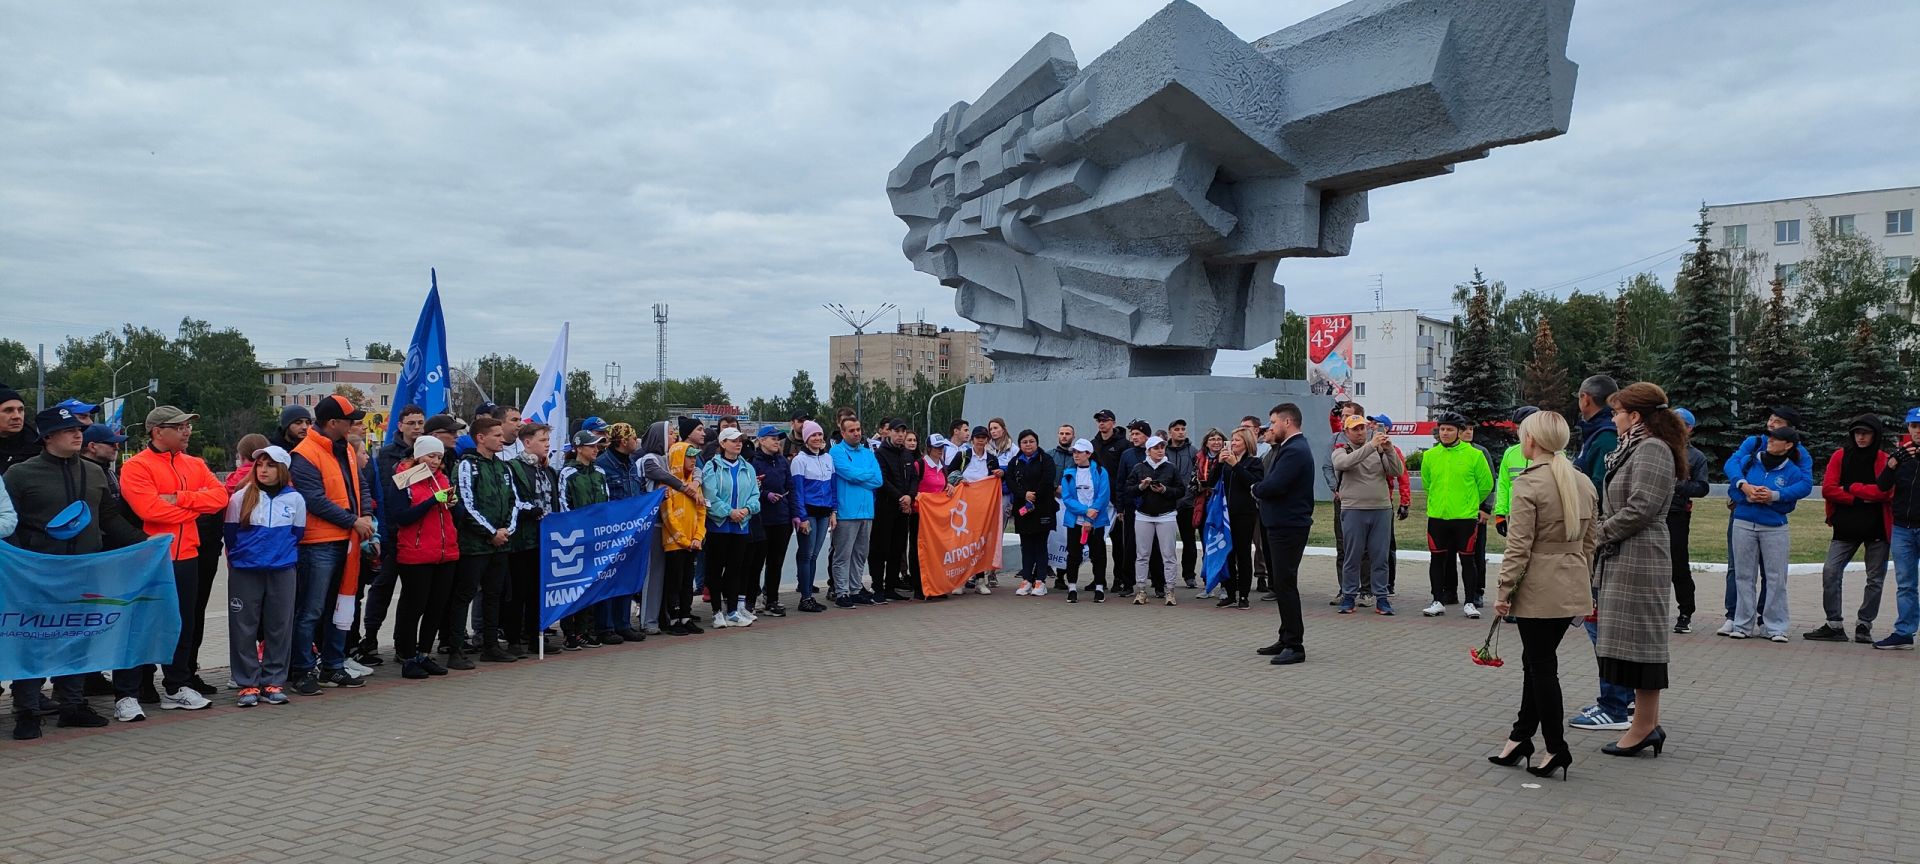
(959, 535)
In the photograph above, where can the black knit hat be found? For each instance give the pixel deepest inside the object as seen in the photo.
(687, 425)
(8, 394)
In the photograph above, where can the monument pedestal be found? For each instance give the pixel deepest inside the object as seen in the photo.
(1202, 400)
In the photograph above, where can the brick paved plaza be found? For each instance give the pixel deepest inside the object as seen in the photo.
(1003, 729)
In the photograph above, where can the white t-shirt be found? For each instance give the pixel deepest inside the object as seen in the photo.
(1083, 485)
(979, 466)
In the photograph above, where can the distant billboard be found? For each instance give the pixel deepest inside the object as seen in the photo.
(1330, 355)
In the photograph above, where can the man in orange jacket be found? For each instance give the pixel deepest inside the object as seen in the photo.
(170, 490)
(340, 505)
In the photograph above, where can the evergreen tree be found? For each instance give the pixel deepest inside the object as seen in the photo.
(1543, 383)
(1478, 384)
(1289, 360)
(1861, 383)
(1778, 369)
(1619, 361)
(1698, 372)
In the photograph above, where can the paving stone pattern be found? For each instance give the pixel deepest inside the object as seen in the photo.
(1001, 729)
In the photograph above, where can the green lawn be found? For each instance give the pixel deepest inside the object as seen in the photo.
(1708, 542)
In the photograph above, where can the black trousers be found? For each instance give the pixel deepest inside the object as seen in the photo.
(1284, 546)
(1121, 533)
(912, 553)
(727, 577)
(676, 587)
(884, 541)
(212, 540)
(1475, 576)
(767, 557)
(484, 575)
(1189, 543)
(1096, 549)
(1244, 526)
(1679, 527)
(1540, 684)
(1033, 553)
(193, 625)
(425, 590)
(521, 615)
(1452, 542)
(379, 592)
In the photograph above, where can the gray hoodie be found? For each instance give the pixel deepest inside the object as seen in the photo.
(653, 460)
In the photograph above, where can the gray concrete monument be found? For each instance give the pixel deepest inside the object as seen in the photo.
(1125, 219)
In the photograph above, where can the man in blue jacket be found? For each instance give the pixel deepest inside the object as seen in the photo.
(856, 473)
(1778, 417)
(1763, 494)
(1285, 494)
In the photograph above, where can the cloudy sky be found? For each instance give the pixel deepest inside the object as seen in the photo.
(295, 174)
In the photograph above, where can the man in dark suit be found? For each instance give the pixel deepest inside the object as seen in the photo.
(1285, 494)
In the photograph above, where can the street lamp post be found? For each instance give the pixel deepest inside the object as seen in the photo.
(859, 321)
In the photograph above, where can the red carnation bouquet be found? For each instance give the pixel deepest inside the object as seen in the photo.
(1488, 654)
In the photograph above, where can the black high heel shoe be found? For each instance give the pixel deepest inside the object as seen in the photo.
(1555, 761)
(1511, 759)
(1655, 739)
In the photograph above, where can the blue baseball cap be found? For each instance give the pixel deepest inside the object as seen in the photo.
(68, 523)
(1382, 419)
(1913, 414)
(101, 433)
(770, 431)
(77, 406)
(1685, 416)
(56, 419)
(593, 424)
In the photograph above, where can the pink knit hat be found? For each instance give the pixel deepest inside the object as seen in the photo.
(810, 429)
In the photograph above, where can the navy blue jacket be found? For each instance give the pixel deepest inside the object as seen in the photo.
(624, 478)
(1125, 495)
(775, 477)
(1286, 492)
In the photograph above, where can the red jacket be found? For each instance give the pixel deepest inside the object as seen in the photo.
(1857, 493)
(151, 474)
(431, 538)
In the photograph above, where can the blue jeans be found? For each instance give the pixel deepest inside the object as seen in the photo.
(1906, 579)
(316, 582)
(807, 552)
(1613, 697)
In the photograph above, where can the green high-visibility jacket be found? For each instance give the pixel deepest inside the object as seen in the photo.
(1457, 479)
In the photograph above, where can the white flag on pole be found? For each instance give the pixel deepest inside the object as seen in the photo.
(548, 403)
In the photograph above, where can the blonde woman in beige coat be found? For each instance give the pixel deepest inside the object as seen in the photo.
(1544, 582)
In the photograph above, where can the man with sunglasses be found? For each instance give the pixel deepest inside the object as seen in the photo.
(170, 490)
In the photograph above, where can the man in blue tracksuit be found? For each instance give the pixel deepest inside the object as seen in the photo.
(1778, 417)
(1763, 493)
(856, 473)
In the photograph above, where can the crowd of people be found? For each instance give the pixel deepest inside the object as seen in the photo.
(321, 536)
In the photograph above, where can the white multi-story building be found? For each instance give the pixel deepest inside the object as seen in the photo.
(304, 382)
(1400, 360)
(1778, 229)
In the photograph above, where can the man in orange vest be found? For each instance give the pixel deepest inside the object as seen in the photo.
(170, 491)
(340, 506)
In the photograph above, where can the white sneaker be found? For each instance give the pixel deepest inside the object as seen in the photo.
(738, 620)
(126, 709)
(355, 669)
(1022, 590)
(1726, 629)
(185, 699)
(1434, 608)
(982, 587)
(1469, 610)
(746, 613)
(959, 591)
(1737, 634)
(720, 620)
(1777, 637)
(1040, 590)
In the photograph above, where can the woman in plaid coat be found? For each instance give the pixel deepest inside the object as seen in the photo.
(1633, 572)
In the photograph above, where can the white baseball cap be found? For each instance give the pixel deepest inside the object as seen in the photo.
(729, 433)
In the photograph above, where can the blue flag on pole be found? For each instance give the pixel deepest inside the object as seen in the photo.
(72, 614)
(548, 403)
(594, 553)
(423, 380)
(1216, 536)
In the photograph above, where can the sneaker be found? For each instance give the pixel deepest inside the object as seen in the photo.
(1863, 634)
(879, 598)
(776, 611)
(342, 678)
(201, 686)
(894, 595)
(1826, 633)
(739, 619)
(1336, 600)
(1726, 629)
(83, 716)
(355, 669)
(1599, 721)
(993, 581)
(1269, 597)
(1895, 642)
(1737, 634)
(1099, 594)
(309, 684)
(433, 666)
(459, 660)
(411, 669)
(863, 598)
(959, 591)
(847, 602)
(692, 627)
(1204, 595)
(808, 604)
(628, 634)
(127, 709)
(986, 587)
(250, 696)
(492, 653)
(1777, 637)
(654, 629)
(611, 638)
(273, 695)
(1021, 591)
(1039, 589)
(1683, 624)
(1346, 605)
(368, 654)
(1188, 581)
(1366, 600)
(1140, 599)
(1383, 606)
(184, 699)
(572, 643)
(720, 621)
(1434, 609)
(1170, 600)
(1073, 594)
(1470, 610)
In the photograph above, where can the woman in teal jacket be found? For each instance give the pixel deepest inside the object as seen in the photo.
(733, 498)
(1088, 500)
